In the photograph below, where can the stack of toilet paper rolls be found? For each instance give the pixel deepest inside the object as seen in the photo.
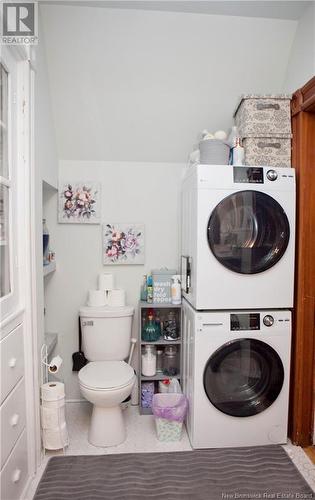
(54, 428)
(107, 294)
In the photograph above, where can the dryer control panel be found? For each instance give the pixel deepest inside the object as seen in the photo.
(253, 175)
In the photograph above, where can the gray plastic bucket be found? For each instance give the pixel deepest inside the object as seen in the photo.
(214, 152)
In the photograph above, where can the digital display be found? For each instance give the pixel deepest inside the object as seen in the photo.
(249, 321)
(248, 174)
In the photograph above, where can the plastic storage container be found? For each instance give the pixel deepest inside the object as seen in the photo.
(170, 327)
(170, 361)
(169, 411)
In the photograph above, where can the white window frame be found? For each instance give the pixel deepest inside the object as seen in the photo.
(9, 304)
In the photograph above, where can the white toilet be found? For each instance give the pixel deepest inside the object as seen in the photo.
(107, 379)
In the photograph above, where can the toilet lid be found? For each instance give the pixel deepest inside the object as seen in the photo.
(106, 374)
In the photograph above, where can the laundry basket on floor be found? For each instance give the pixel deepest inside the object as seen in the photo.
(169, 411)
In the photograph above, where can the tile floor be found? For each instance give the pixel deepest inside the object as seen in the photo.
(141, 437)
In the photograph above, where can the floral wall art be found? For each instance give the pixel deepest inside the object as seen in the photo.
(79, 202)
(123, 243)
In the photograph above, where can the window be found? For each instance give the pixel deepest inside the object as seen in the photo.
(9, 203)
(5, 187)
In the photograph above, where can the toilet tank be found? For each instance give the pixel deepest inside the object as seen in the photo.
(106, 332)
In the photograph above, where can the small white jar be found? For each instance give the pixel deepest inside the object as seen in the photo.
(148, 358)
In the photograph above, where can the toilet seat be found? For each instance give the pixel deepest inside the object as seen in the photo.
(106, 375)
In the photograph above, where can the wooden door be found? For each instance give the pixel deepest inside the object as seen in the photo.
(302, 374)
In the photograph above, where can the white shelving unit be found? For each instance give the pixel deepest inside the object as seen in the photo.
(49, 199)
(163, 309)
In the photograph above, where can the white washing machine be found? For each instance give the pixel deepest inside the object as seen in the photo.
(238, 231)
(236, 368)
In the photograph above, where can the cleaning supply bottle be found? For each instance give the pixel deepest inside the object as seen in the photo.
(238, 153)
(143, 293)
(149, 289)
(176, 290)
(233, 135)
(232, 142)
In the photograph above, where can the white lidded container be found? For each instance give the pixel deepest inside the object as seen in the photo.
(148, 361)
(106, 332)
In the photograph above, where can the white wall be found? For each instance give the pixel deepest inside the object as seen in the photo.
(45, 163)
(130, 88)
(139, 85)
(301, 67)
(45, 138)
(131, 192)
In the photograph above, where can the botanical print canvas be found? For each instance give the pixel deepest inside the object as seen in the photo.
(79, 202)
(123, 243)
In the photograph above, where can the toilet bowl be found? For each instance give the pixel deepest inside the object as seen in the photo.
(107, 380)
(106, 384)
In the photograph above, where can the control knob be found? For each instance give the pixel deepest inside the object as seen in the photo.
(268, 320)
(272, 175)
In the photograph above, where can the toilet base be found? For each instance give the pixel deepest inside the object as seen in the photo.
(107, 427)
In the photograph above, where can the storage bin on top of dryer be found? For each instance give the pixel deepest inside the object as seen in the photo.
(264, 116)
(264, 123)
(272, 151)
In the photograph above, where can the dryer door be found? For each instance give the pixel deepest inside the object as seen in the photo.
(248, 232)
(243, 377)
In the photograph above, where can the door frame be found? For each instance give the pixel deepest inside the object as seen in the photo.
(301, 418)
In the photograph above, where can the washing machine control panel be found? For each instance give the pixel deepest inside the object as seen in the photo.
(245, 321)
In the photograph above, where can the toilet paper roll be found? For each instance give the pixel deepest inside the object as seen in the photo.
(116, 297)
(54, 439)
(54, 404)
(55, 364)
(105, 281)
(96, 298)
(52, 417)
(52, 391)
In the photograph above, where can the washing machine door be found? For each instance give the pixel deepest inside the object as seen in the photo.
(248, 232)
(243, 377)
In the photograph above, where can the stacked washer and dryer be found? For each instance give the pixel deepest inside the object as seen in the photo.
(238, 227)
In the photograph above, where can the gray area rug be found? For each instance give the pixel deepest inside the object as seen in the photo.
(233, 473)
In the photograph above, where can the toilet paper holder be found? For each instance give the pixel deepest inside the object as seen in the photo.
(49, 367)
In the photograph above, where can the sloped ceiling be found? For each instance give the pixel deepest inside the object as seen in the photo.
(137, 85)
(268, 9)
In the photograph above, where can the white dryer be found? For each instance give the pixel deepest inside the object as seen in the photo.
(238, 228)
(236, 368)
